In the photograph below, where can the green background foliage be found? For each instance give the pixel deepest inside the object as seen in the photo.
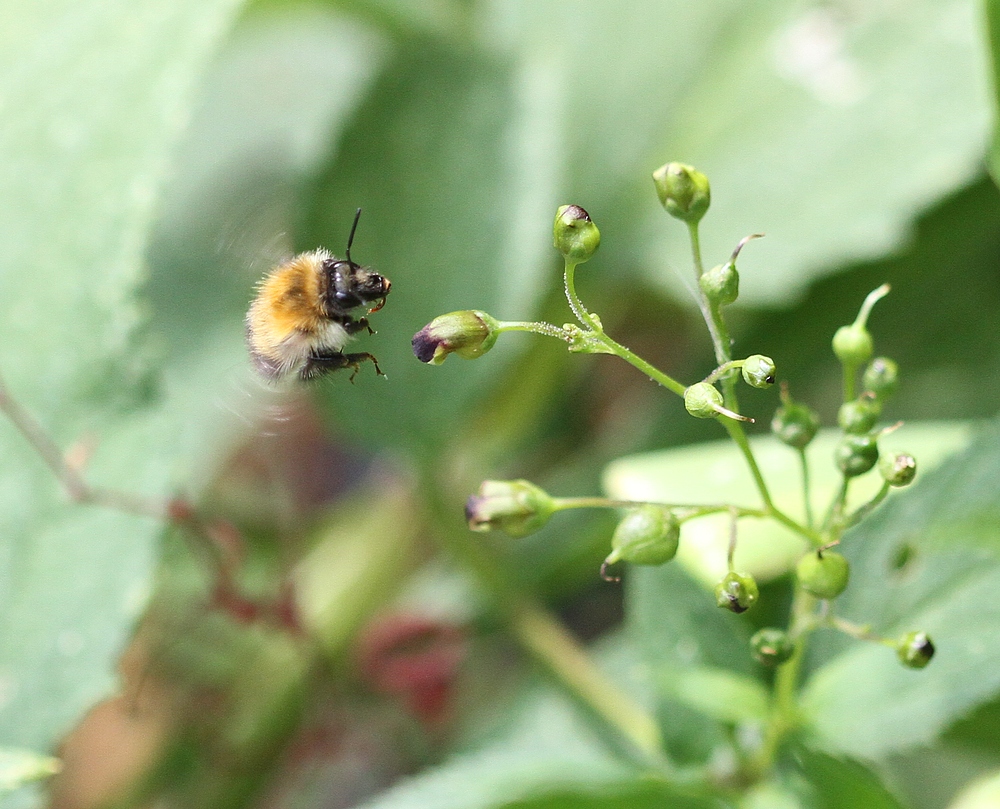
(160, 156)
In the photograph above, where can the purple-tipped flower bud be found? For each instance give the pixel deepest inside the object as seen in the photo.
(758, 371)
(469, 334)
(737, 592)
(574, 234)
(915, 650)
(898, 469)
(516, 507)
(683, 191)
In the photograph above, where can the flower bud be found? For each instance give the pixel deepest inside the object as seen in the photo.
(915, 650)
(647, 535)
(772, 646)
(853, 345)
(859, 415)
(795, 424)
(574, 234)
(721, 284)
(516, 507)
(737, 592)
(881, 378)
(469, 334)
(703, 400)
(856, 454)
(758, 371)
(899, 469)
(823, 574)
(683, 191)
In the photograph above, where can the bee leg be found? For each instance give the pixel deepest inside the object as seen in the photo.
(352, 326)
(319, 364)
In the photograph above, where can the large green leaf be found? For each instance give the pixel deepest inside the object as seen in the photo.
(827, 127)
(94, 95)
(930, 560)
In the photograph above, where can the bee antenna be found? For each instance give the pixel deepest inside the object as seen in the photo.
(350, 239)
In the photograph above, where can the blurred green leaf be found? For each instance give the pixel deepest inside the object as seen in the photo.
(929, 560)
(715, 472)
(94, 96)
(993, 34)
(825, 782)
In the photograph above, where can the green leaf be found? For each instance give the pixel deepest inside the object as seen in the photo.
(929, 560)
(719, 693)
(94, 95)
(993, 31)
(715, 472)
(825, 782)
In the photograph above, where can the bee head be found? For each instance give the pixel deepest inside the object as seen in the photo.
(348, 284)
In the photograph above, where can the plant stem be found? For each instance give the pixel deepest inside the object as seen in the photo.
(546, 640)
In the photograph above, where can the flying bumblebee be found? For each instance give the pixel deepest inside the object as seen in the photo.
(301, 319)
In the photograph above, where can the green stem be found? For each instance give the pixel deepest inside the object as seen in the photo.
(588, 320)
(536, 327)
(806, 500)
(635, 732)
(863, 511)
(784, 704)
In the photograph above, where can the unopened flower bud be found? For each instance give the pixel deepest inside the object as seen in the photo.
(856, 454)
(772, 646)
(647, 535)
(683, 191)
(516, 507)
(737, 592)
(574, 234)
(469, 334)
(758, 371)
(898, 469)
(859, 415)
(853, 345)
(823, 574)
(915, 650)
(881, 378)
(721, 284)
(703, 400)
(795, 424)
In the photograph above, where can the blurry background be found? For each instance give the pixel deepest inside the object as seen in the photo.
(160, 157)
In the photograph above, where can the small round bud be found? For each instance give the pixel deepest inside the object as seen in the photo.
(915, 650)
(858, 416)
(823, 574)
(574, 234)
(683, 191)
(647, 535)
(856, 454)
(795, 424)
(853, 345)
(881, 378)
(516, 507)
(703, 400)
(721, 284)
(758, 371)
(898, 469)
(772, 646)
(469, 334)
(737, 592)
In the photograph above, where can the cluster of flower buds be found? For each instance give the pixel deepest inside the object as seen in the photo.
(648, 533)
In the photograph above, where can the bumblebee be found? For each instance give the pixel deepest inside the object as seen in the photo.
(302, 317)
